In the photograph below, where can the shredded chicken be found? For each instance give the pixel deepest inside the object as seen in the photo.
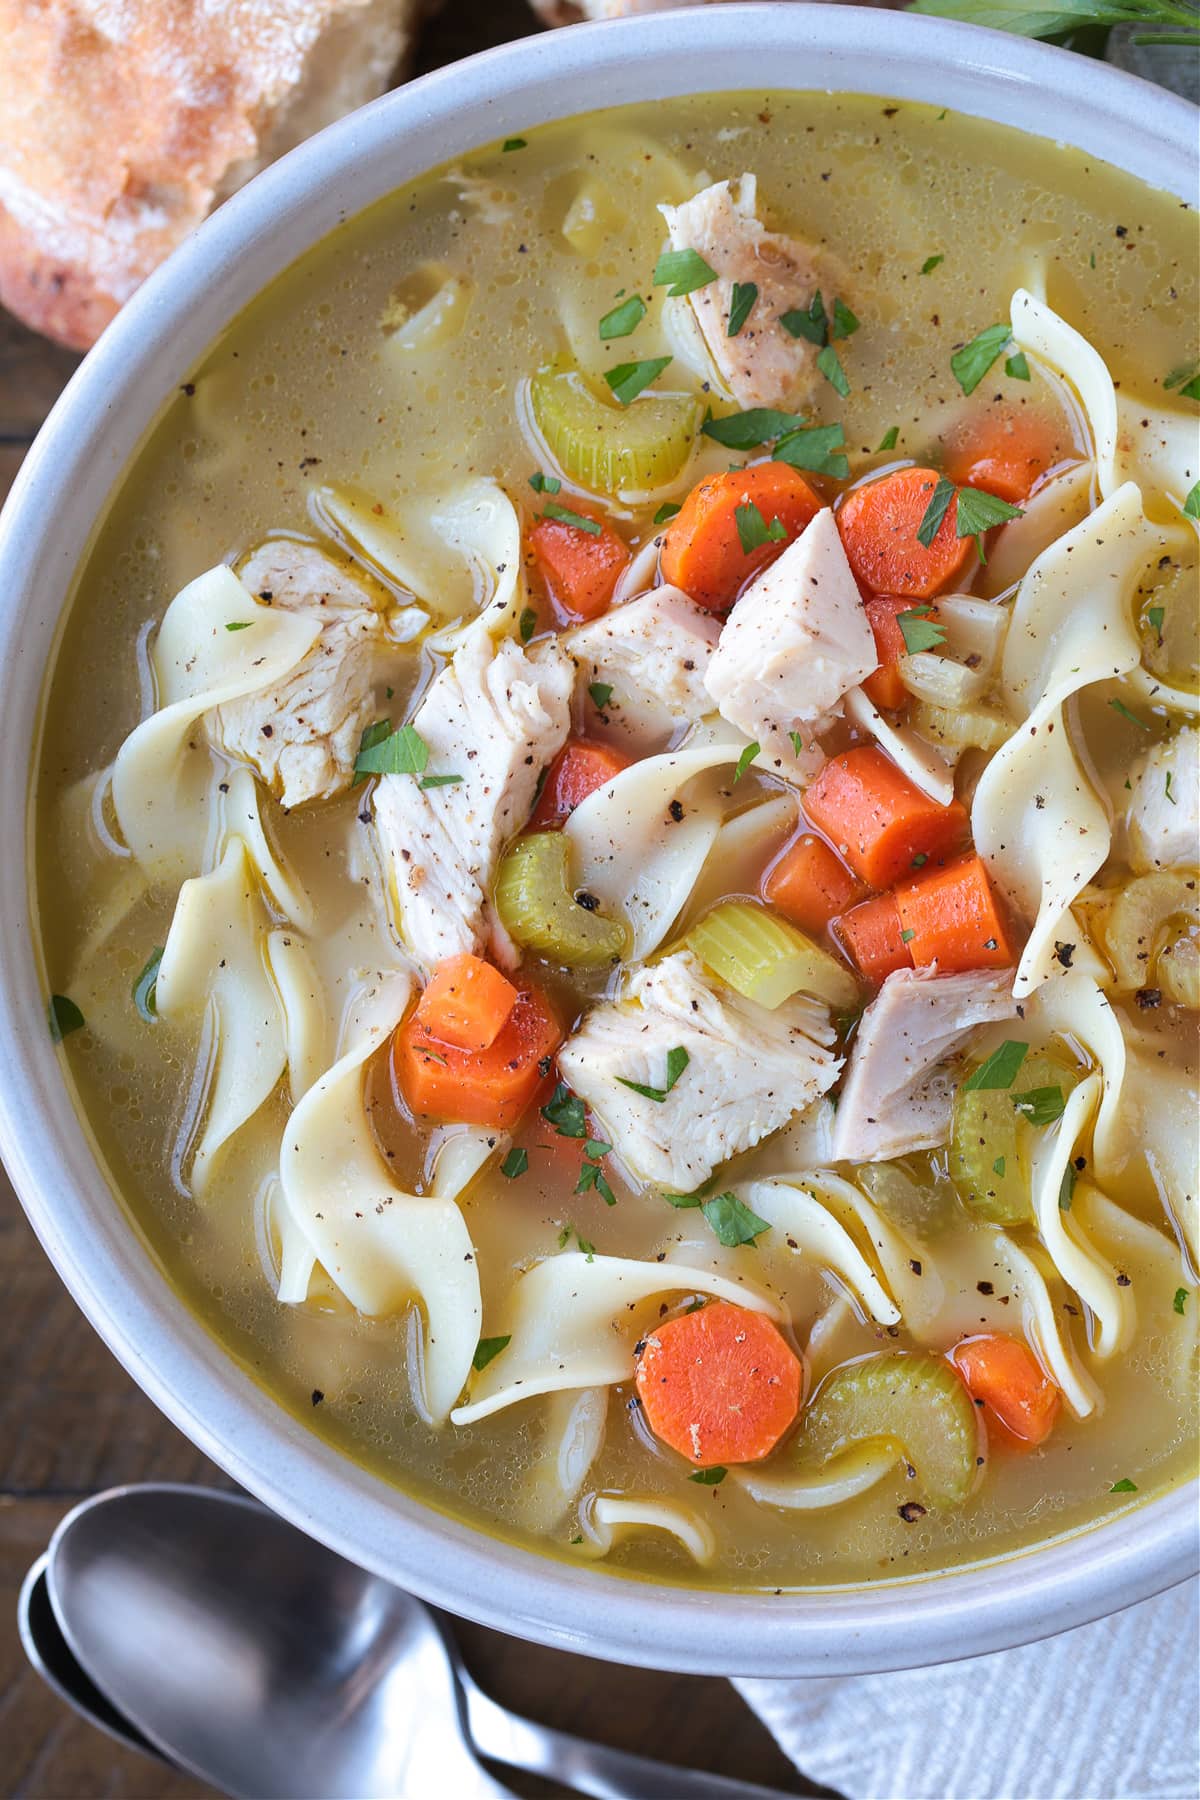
(1163, 819)
(654, 653)
(748, 1070)
(495, 717)
(795, 642)
(898, 1091)
(302, 734)
(764, 365)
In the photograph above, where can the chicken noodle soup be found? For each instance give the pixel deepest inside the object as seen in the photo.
(617, 839)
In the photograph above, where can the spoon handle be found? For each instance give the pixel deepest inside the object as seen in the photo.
(590, 1768)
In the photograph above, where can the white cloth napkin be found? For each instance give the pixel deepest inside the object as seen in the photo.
(1110, 1711)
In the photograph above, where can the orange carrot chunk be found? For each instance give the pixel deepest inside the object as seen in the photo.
(1006, 455)
(1004, 1373)
(721, 1385)
(477, 1087)
(873, 937)
(580, 767)
(580, 568)
(466, 1004)
(703, 552)
(876, 818)
(879, 524)
(809, 885)
(884, 685)
(953, 919)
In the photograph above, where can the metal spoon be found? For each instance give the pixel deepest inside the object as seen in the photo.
(262, 1662)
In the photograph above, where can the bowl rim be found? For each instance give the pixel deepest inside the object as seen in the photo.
(71, 470)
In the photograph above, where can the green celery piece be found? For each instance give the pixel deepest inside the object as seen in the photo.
(988, 1130)
(907, 1398)
(537, 906)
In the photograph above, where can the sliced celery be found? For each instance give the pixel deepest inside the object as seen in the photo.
(923, 1207)
(1151, 933)
(538, 907)
(765, 959)
(975, 726)
(908, 1398)
(991, 1139)
(613, 449)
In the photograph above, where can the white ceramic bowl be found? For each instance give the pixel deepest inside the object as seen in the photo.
(62, 489)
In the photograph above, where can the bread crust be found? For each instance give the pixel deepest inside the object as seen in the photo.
(123, 122)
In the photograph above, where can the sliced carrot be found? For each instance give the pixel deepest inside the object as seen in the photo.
(953, 918)
(884, 685)
(879, 523)
(873, 937)
(1004, 1373)
(877, 819)
(809, 884)
(702, 552)
(1005, 453)
(477, 1087)
(580, 568)
(721, 1385)
(580, 767)
(466, 1003)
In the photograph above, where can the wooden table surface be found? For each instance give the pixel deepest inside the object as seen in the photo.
(72, 1422)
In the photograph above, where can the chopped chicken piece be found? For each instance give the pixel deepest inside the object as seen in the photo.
(495, 717)
(795, 642)
(748, 1070)
(302, 734)
(764, 365)
(1163, 818)
(898, 1092)
(654, 653)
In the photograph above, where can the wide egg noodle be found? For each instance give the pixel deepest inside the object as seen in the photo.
(214, 968)
(303, 1008)
(739, 850)
(572, 1321)
(571, 1437)
(633, 855)
(383, 1248)
(1058, 507)
(610, 1518)
(162, 782)
(1154, 1259)
(844, 1478)
(814, 1215)
(238, 814)
(1041, 1324)
(907, 748)
(1036, 818)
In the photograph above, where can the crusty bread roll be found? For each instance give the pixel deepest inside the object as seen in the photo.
(124, 122)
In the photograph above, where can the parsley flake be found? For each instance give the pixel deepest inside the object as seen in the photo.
(143, 988)
(816, 447)
(889, 439)
(971, 363)
(746, 430)
(623, 319)
(931, 263)
(709, 1477)
(741, 305)
(1124, 1486)
(1155, 616)
(514, 144)
(563, 515)
(527, 624)
(935, 512)
(1186, 379)
(601, 694)
(1040, 1105)
(514, 1164)
(753, 530)
(1180, 1301)
(628, 379)
(998, 1166)
(666, 511)
(592, 1176)
(999, 1070)
(907, 936)
(1066, 1188)
(797, 742)
(566, 1112)
(1167, 789)
(745, 759)
(919, 631)
(732, 1221)
(831, 368)
(807, 322)
(239, 624)
(1120, 707)
(1191, 505)
(487, 1349)
(544, 484)
(1016, 367)
(677, 1061)
(64, 1017)
(978, 512)
(440, 781)
(682, 272)
(402, 752)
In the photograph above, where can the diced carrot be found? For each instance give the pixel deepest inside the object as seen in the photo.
(809, 884)
(877, 819)
(884, 685)
(1004, 453)
(954, 918)
(466, 1003)
(702, 552)
(1004, 1373)
(477, 1087)
(872, 937)
(580, 767)
(879, 523)
(580, 568)
(721, 1385)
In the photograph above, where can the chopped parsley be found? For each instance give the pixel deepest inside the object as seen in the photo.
(527, 624)
(889, 439)
(907, 936)
(931, 263)
(971, 363)
(1066, 1188)
(666, 511)
(998, 1166)
(1167, 789)
(563, 515)
(935, 512)
(1124, 1486)
(999, 1070)
(919, 631)
(1155, 616)
(592, 1176)
(623, 319)
(566, 1112)
(745, 759)
(1191, 505)
(514, 1164)
(544, 484)
(709, 1477)
(919, 860)
(601, 694)
(64, 1017)
(807, 322)
(677, 1062)
(567, 1233)
(596, 1148)
(831, 368)
(239, 624)
(753, 530)
(487, 1349)
(732, 1221)
(844, 322)
(514, 144)
(1120, 707)
(388, 752)
(1015, 366)
(682, 272)
(1186, 379)
(143, 988)
(1180, 1300)
(979, 511)
(741, 305)
(797, 742)
(440, 781)
(628, 379)
(746, 430)
(816, 447)
(1040, 1105)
